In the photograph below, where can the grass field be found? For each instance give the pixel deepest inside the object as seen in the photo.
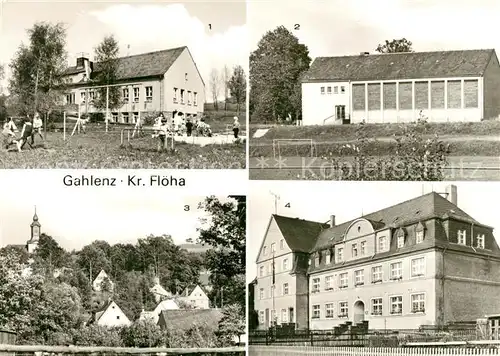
(465, 139)
(95, 150)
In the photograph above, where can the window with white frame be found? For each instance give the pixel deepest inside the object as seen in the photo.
(382, 243)
(261, 293)
(418, 303)
(316, 259)
(343, 280)
(285, 288)
(376, 274)
(329, 310)
(189, 98)
(480, 241)
(340, 254)
(396, 270)
(363, 248)
(401, 239)
(329, 90)
(273, 247)
(82, 97)
(359, 277)
(125, 117)
(149, 93)
(329, 283)
(136, 95)
(285, 264)
(282, 244)
(335, 90)
(195, 99)
(136, 117)
(322, 90)
(354, 250)
(91, 95)
(462, 237)
(125, 95)
(261, 271)
(316, 285)
(175, 95)
(261, 317)
(377, 306)
(343, 310)
(396, 304)
(419, 237)
(316, 311)
(182, 95)
(418, 267)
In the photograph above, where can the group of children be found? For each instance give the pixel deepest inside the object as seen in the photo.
(31, 127)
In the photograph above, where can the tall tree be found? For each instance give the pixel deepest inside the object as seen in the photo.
(238, 86)
(106, 73)
(395, 46)
(275, 68)
(215, 87)
(225, 84)
(37, 69)
(225, 232)
(49, 255)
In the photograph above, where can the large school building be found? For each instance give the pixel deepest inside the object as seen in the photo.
(444, 86)
(424, 261)
(163, 81)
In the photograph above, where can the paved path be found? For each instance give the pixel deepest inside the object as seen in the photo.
(460, 168)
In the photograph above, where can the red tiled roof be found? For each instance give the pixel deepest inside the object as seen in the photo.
(396, 66)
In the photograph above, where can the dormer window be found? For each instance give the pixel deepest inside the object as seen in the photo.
(480, 241)
(419, 233)
(401, 238)
(462, 237)
(316, 259)
(328, 256)
(382, 244)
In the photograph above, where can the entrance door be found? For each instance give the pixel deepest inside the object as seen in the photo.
(359, 312)
(267, 318)
(291, 316)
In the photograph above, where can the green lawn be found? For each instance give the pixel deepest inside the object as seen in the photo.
(95, 150)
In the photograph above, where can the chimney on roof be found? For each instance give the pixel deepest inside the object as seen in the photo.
(332, 220)
(451, 194)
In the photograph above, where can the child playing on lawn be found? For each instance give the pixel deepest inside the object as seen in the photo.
(26, 133)
(37, 127)
(8, 134)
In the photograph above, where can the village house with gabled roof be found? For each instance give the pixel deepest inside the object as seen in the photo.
(196, 297)
(162, 81)
(110, 315)
(167, 304)
(98, 281)
(183, 320)
(444, 86)
(159, 292)
(422, 262)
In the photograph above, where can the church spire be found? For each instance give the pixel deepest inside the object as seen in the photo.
(35, 217)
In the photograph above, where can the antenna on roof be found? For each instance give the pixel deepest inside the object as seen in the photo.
(276, 198)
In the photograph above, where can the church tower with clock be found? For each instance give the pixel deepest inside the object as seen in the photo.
(32, 243)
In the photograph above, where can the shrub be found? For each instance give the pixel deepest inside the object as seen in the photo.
(143, 333)
(95, 335)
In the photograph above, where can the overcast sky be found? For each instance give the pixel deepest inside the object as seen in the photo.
(340, 27)
(349, 200)
(77, 216)
(144, 26)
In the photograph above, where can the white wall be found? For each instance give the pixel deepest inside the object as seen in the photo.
(113, 316)
(317, 107)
